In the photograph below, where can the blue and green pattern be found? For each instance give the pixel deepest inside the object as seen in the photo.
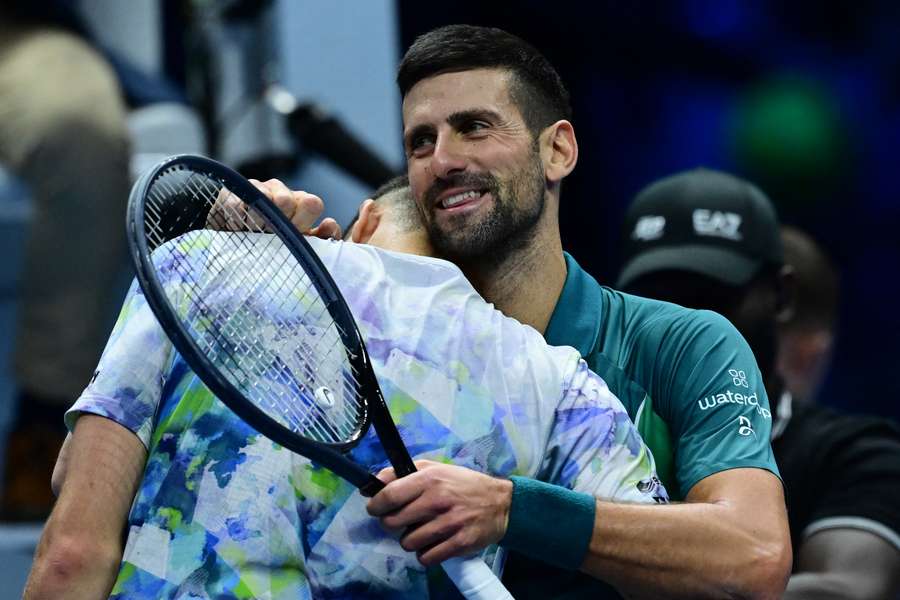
(224, 512)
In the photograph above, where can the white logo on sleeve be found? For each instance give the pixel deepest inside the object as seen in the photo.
(739, 378)
(717, 224)
(650, 227)
(745, 427)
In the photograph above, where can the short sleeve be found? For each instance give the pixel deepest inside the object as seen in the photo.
(128, 382)
(707, 385)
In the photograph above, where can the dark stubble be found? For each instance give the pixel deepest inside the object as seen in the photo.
(506, 230)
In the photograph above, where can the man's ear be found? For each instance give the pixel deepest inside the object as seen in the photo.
(559, 150)
(787, 295)
(367, 223)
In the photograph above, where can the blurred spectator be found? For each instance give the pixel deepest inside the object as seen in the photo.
(805, 341)
(708, 240)
(63, 132)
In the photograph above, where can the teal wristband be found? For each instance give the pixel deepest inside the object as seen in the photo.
(549, 523)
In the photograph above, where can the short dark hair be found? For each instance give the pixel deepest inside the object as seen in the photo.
(396, 193)
(535, 87)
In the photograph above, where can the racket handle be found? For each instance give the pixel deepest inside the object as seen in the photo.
(475, 580)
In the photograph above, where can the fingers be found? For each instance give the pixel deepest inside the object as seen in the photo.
(301, 208)
(327, 229)
(229, 213)
(387, 475)
(437, 540)
(455, 546)
(395, 495)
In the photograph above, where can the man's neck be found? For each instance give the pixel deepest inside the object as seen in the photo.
(527, 284)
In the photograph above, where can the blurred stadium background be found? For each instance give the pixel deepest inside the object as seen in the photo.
(802, 97)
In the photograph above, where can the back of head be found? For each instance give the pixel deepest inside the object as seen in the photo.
(396, 198)
(817, 283)
(391, 221)
(394, 195)
(536, 88)
(806, 340)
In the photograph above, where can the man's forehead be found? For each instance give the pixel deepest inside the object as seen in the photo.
(438, 96)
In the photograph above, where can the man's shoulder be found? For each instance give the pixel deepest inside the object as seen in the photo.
(632, 325)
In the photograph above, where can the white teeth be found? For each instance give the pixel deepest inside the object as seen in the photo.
(459, 198)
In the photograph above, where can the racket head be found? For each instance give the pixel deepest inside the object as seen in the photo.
(309, 408)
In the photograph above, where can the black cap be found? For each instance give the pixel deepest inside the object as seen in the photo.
(702, 221)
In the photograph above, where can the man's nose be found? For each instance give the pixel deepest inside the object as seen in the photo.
(448, 157)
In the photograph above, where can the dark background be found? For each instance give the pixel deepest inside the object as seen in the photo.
(801, 97)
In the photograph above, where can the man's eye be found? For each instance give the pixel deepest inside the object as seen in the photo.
(420, 141)
(474, 126)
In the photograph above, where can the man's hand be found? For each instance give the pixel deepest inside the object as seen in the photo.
(302, 209)
(446, 510)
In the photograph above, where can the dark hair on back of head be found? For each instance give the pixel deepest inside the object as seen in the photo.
(407, 215)
(535, 88)
(395, 183)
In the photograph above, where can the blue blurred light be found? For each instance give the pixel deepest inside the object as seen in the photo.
(714, 18)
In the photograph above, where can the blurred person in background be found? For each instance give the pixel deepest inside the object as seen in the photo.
(64, 101)
(63, 132)
(707, 240)
(806, 340)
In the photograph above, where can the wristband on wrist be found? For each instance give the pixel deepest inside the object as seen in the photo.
(549, 523)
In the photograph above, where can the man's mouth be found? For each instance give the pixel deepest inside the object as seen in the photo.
(459, 199)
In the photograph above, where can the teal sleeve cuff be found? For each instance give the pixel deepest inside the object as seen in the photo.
(549, 523)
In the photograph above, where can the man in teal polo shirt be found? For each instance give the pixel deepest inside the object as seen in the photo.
(488, 142)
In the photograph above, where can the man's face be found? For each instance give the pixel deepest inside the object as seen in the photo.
(474, 167)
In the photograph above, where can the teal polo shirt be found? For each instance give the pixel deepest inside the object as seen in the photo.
(688, 380)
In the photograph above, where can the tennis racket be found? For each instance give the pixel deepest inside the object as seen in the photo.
(259, 319)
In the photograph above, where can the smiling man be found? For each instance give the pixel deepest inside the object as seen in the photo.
(489, 141)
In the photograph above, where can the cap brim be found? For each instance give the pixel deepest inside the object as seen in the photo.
(718, 263)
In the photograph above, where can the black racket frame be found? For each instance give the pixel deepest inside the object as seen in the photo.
(331, 456)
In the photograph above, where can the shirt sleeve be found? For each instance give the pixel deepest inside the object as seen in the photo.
(595, 448)
(709, 388)
(128, 382)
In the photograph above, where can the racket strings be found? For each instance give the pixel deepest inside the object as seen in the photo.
(250, 307)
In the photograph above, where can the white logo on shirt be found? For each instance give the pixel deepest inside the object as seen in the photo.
(717, 224)
(738, 377)
(650, 227)
(745, 427)
(729, 397)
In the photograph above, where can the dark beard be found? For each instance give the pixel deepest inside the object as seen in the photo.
(507, 230)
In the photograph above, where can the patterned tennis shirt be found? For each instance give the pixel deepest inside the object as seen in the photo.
(224, 512)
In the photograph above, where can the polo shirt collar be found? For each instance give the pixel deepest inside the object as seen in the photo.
(576, 319)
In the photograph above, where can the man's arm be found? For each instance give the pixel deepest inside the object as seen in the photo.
(729, 540)
(845, 563)
(80, 549)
